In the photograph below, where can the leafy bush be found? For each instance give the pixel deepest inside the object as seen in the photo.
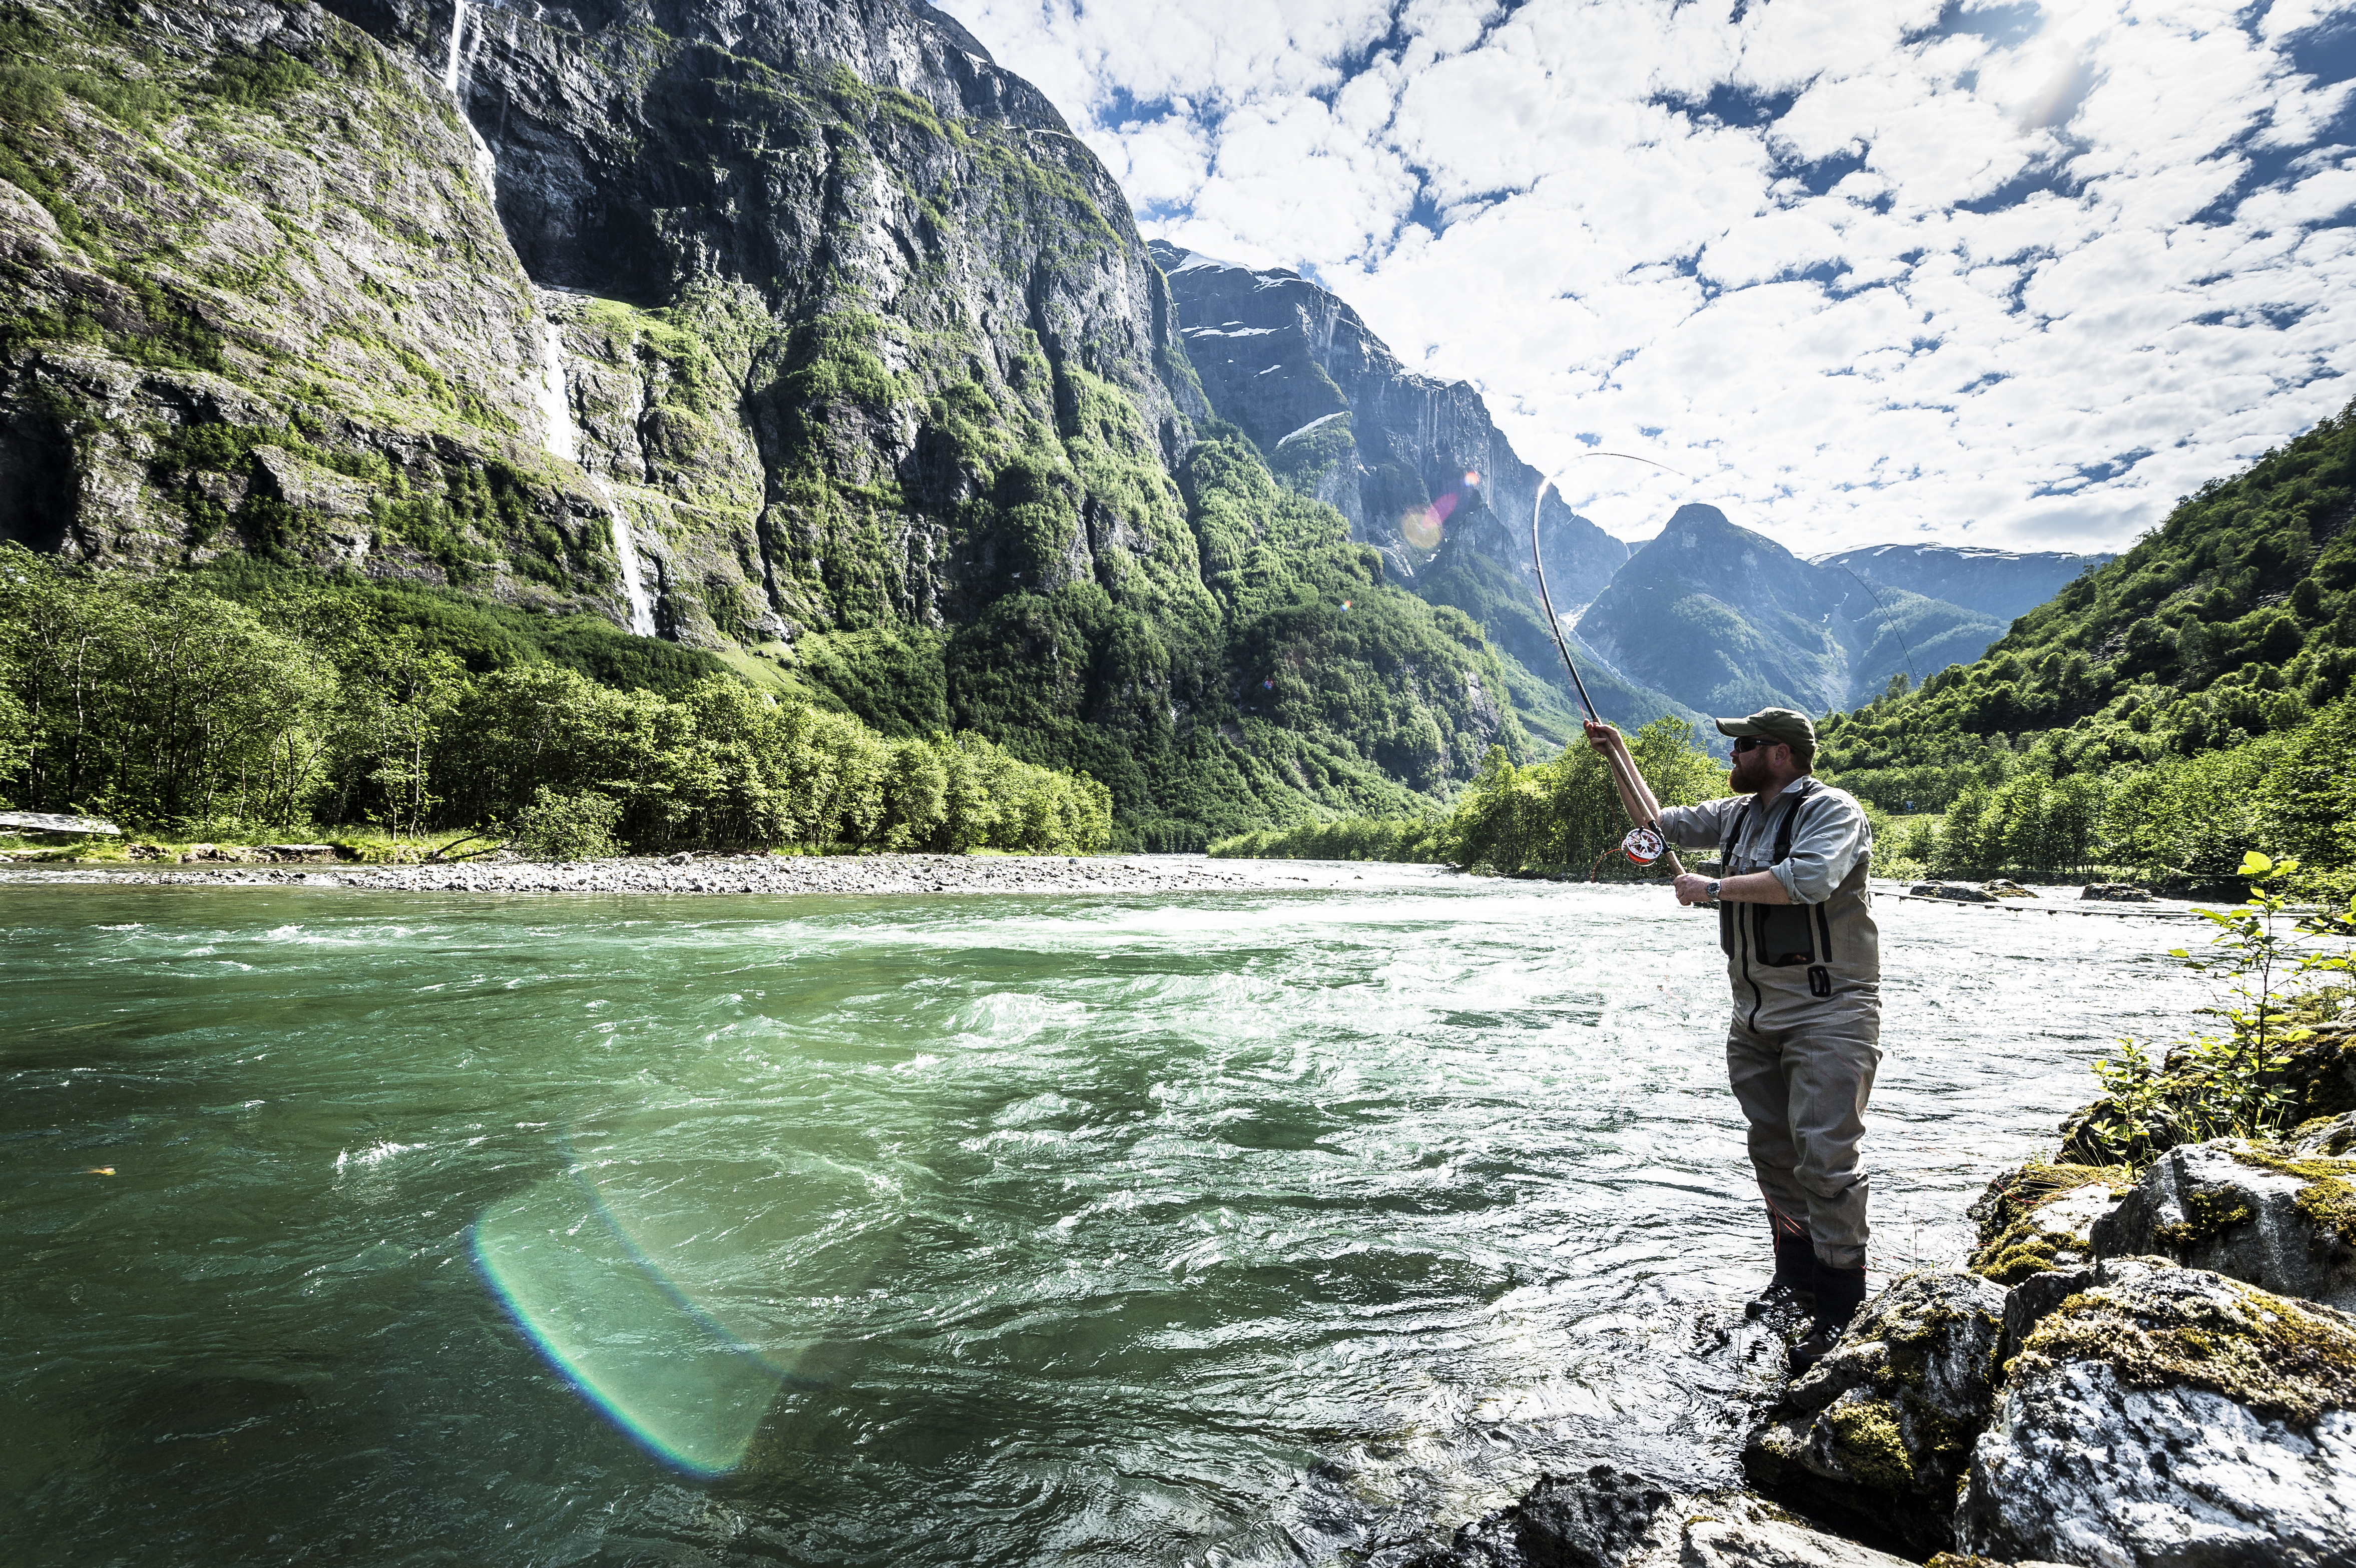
(2231, 1084)
(568, 826)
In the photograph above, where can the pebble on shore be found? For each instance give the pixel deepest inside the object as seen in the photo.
(769, 874)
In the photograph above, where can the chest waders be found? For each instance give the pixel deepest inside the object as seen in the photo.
(1777, 936)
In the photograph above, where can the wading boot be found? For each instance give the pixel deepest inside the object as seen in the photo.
(1839, 1293)
(1792, 1293)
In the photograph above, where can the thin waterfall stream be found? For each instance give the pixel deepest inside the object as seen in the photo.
(561, 433)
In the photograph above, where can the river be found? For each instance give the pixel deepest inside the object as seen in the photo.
(1087, 1229)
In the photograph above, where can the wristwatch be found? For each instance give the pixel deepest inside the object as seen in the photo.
(1713, 891)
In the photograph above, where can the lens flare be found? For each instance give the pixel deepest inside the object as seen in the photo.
(1472, 477)
(677, 1317)
(1422, 525)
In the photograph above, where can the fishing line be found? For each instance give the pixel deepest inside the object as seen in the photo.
(1643, 845)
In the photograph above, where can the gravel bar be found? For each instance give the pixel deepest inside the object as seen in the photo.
(887, 874)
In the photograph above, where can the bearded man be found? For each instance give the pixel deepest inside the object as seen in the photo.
(1805, 959)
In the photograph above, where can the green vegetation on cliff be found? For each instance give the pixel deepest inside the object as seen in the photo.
(1558, 817)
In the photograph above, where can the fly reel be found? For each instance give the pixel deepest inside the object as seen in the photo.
(1643, 845)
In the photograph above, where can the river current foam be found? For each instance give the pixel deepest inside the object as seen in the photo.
(1234, 1226)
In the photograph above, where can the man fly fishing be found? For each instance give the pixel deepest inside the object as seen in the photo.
(1805, 959)
(1797, 923)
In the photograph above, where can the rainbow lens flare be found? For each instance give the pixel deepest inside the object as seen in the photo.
(679, 1317)
(1422, 525)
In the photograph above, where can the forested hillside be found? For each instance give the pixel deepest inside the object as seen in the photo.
(2185, 699)
(799, 333)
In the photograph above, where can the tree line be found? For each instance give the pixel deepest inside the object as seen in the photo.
(169, 707)
(1560, 816)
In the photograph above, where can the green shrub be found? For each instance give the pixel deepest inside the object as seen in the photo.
(568, 826)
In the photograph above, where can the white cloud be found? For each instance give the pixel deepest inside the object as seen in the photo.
(1867, 277)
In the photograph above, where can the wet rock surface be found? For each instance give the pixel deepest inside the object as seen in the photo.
(1610, 1517)
(2269, 1214)
(1880, 1430)
(2167, 1415)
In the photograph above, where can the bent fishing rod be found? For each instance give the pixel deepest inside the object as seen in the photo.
(1644, 843)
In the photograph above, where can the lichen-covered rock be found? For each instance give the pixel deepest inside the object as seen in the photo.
(2173, 1416)
(2041, 1216)
(1881, 1429)
(2261, 1213)
(2324, 1136)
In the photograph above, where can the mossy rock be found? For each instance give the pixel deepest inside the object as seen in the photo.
(2168, 1414)
(2039, 1216)
(2279, 1216)
(1880, 1431)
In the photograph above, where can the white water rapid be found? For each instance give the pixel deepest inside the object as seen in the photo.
(563, 438)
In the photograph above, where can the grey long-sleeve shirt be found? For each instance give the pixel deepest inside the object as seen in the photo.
(1832, 834)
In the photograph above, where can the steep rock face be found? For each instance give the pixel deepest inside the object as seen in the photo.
(1729, 621)
(1343, 420)
(2004, 584)
(800, 326)
(1416, 463)
(2160, 1415)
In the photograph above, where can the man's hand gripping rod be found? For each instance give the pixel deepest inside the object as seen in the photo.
(1623, 768)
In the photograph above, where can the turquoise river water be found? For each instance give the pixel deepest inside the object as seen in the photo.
(1222, 1228)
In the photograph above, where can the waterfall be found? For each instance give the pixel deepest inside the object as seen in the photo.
(458, 36)
(563, 438)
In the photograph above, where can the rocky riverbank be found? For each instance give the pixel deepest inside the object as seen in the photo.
(814, 874)
(2134, 1370)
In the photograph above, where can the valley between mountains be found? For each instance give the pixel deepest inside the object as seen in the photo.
(810, 343)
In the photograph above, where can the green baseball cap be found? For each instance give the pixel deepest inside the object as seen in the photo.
(1783, 724)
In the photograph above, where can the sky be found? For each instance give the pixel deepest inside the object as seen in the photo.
(2014, 275)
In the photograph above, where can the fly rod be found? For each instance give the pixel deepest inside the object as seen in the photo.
(1644, 845)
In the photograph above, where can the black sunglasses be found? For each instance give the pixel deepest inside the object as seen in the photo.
(1751, 744)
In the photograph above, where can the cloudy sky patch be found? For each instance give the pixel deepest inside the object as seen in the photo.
(1866, 269)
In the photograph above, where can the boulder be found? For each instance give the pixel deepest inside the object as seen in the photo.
(2003, 888)
(2041, 1216)
(1609, 1517)
(2114, 893)
(2173, 1416)
(1752, 1539)
(1606, 1517)
(2266, 1214)
(1961, 893)
(1880, 1430)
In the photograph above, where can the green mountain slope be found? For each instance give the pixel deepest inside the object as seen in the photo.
(830, 349)
(2236, 618)
(1727, 621)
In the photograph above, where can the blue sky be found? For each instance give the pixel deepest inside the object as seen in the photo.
(2012, 275)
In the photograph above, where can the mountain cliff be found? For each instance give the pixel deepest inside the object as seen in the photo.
(2004, 584)
(1416, 463)
(797, 329)
(1729, 621)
